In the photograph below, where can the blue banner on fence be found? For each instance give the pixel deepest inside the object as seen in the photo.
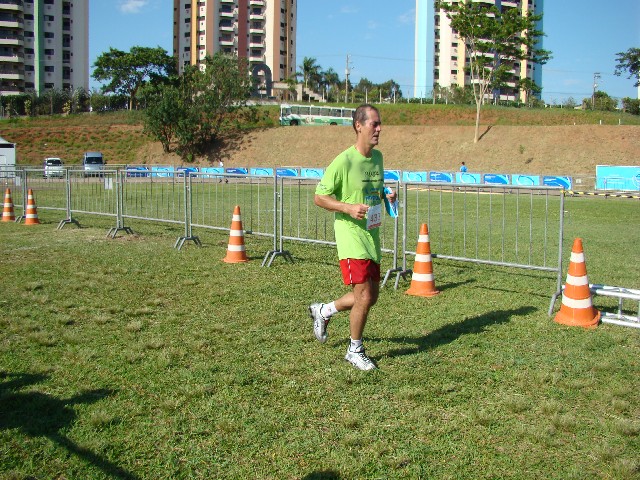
(444, 177)
(414, 176)
(496, 179)
(137, 172)
(312, 172)
(262, 171)
(182, 171)
(163, 172)
(286, 172)
(525, 180)
(392, 175)
(553, 181)
(212, 172)
(623, 178)
(237, 171)
(464, 177)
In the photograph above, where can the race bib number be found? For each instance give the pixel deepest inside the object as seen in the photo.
(374, 216)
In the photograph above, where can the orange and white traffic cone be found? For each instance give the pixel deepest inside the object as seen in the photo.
(577, 308)
(422, 280)
(31, 215)
(8, 214)
(235, 251)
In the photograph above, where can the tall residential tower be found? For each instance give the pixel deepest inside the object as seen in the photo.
(263, 31)
(440, 57)
(44, 44)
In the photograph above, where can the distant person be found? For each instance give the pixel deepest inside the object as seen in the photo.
(221, 165)
(463, 168)
(353, 187)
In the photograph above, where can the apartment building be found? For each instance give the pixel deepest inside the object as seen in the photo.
(263, 31)
(440, 56)
(44, 44)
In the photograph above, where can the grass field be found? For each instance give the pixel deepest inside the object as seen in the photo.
(125, 358)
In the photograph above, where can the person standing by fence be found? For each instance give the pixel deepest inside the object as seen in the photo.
(353, 188)
(463, 168)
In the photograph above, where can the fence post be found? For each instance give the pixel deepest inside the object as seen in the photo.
(69, 218)
(278, 220)
(396, 219)
(187, 215)
(119, 207)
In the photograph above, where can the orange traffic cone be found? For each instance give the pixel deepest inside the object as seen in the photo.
(31, 215)
(422, 282)
(235, 251)
(7, 213)
(577, 309)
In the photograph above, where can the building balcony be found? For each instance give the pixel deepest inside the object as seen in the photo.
(253, 57)
(260, 44)
(227, 42)
(227, 28)
(11, 23)
(11, 58)
(12, 5)
(227, 14)
(256, 30)
(11, 41)
(11, 76)
(256, 16)
(7, 91)
(256, 3)
(227, 1)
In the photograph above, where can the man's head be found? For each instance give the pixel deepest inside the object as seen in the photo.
(366, 123)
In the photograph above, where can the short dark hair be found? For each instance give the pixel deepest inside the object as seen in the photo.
(362, 114)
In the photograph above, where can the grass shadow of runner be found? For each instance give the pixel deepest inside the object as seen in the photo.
(450, 332)
(36, 414)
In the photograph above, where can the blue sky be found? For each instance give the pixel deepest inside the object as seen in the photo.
(583, 36)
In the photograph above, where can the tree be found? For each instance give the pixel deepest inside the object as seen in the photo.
(192, 109)
(629, 62)
(331, 80)
(529, 88)
(309, 70)
(494, 41)
(601, 101)
(631, 105)
(126, 72)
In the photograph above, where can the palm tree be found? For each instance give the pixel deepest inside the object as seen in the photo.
(330, 78)
(308, 70)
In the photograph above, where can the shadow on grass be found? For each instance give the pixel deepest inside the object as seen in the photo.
(39, 415)
(324, 475)
(450, 332)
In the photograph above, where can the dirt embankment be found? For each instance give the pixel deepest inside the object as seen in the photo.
(548, 150)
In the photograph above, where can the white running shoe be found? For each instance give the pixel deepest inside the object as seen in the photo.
(319, 322)
(359, 359)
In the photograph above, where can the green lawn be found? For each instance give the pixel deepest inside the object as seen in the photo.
(126, 358)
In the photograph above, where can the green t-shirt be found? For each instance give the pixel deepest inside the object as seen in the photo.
(354, 178)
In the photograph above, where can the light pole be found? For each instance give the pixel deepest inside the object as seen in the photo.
(596, 77)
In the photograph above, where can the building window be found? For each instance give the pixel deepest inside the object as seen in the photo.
(48, 2)
(48, 51)
(48, 34)
(49, 68)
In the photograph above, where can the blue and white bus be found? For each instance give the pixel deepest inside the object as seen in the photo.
(315, 115)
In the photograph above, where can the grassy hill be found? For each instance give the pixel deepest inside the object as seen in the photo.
(119, 135)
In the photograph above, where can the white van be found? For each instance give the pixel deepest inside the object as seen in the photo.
(93, 164)
(53, 167)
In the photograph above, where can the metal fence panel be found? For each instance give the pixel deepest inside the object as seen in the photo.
(508, 226)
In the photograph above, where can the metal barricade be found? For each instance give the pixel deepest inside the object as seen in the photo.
(509, 226)
(299, 219)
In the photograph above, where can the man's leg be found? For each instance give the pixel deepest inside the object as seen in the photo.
(363, 297)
